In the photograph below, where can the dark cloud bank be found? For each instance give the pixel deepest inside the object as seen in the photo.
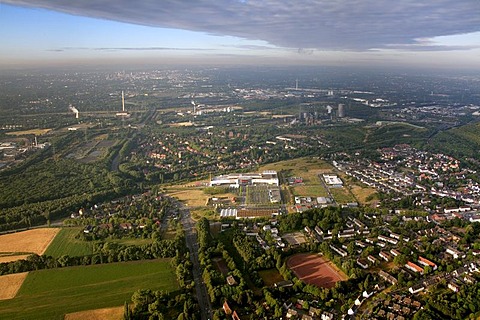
(312, 24)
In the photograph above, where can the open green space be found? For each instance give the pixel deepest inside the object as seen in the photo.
(270, 276)
(49, 294)
(65, 243)
(342, 195)
(308, 168)
(309, 191)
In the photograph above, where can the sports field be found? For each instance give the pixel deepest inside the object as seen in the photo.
(315, 269)
(50, 294)
(66, 244)
(30, 241)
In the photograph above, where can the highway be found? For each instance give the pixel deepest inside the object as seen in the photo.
(192, 245)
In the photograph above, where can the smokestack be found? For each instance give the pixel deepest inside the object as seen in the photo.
(194, 107)
(74, 110)
(123, 102)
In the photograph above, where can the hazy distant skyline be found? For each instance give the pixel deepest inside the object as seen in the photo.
(434, 34)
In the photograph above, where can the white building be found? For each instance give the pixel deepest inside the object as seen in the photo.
(236, 180)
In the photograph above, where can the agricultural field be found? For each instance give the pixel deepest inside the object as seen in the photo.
(50, 294)
(66, 244)
(7, 257)
(115, 313)
(316, 270)
(30, 241)
(10, 284)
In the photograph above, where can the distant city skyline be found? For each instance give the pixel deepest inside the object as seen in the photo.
(441, 34)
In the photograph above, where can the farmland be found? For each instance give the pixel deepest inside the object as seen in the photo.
(49, 294)
(10, 284)
(30, 241)
(66, 244)
(115, 313)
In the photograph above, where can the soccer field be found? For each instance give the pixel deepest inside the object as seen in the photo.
(50, 294)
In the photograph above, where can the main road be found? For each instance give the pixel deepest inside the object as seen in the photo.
(192, 245)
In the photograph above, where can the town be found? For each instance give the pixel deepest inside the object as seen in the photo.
(243, 194)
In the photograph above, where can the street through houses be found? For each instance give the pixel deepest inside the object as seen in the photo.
(192, 245)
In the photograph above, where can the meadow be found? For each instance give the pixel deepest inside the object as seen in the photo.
(50, 294)
(66, 244)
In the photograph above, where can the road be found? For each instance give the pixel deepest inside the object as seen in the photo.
(192, 245)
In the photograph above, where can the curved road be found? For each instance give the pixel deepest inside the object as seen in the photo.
(192, 245)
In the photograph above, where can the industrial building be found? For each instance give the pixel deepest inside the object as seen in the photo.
(236, 180)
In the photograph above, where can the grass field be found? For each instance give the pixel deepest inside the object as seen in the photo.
(37, 132)
(307, 168)
(66, 244)
(270, 276)
(362, 193)
(30, 241)
(194, 197)
(342, 195)
(309, 191)
(50, 294)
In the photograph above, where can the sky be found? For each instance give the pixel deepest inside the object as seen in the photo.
(405, 33)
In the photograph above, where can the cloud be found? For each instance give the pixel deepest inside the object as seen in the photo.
(129, 49)
(356, 25)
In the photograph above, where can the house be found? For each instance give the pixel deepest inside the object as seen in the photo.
(341, 252)
(362, 263)
(387, 277)
(385, 256)
(283, 284)
(360, 244)
(291, 313)
(426, 262)
(226, 308)
(126, 226)
(415, 268)
(455, 253)
(372, 259)
(416, 289)
(387, 239)
(314, 311)
(235, 316)
(231, 281)
(395, 252)
(453, 286)
(327, 316)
